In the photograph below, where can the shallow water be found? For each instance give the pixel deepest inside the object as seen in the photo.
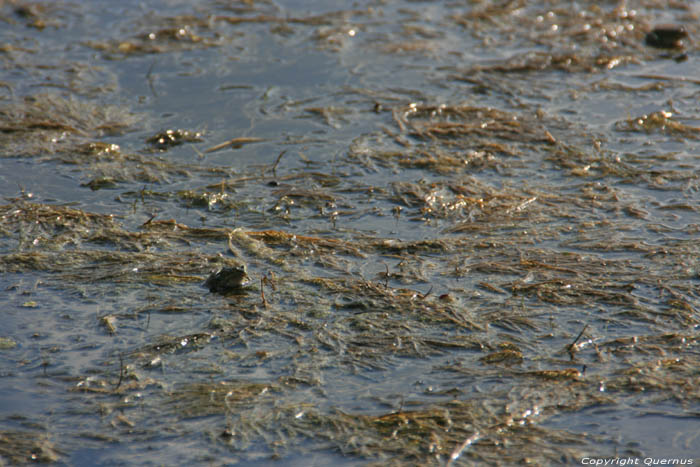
(474, 228)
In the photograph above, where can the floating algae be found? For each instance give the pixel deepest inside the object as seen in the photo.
(52, 123)
(459, 257)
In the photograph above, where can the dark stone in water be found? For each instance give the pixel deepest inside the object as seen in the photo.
(227, 280)
(667, 37)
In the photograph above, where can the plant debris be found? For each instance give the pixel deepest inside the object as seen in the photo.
(165, 140)
(454, 258)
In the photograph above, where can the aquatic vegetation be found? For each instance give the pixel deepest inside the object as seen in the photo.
(165, 140)
(50, 123)
(661, 121)
(24, 446)
(452, 255)
(162, 35)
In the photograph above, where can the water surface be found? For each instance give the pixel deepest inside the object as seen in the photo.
(471, 229)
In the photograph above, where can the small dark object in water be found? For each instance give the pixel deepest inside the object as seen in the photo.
(169, 138)
(666, 37)
(227, 280)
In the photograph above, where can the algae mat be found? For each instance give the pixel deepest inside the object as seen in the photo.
(471, 232)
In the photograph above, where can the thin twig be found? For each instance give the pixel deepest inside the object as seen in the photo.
(402, 402)
(200, 154)
(274, 167)
(235, 143)
(149, 78)
(669, 78)
(121, 371)
(570, 348)
(149, 220)
(262, 291)
(460, 449)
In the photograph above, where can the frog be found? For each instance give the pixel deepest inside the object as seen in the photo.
(228, 279)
